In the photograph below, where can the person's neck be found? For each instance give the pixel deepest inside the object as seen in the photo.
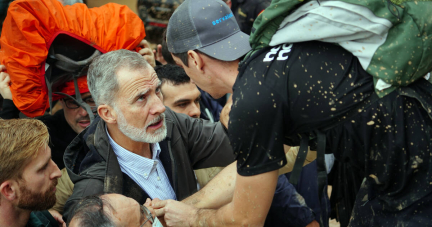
(13, 217)
(228, 75)
(139, 148)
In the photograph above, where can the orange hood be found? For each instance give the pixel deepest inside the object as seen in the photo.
(31, 26)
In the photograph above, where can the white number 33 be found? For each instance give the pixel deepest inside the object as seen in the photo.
(282, 54)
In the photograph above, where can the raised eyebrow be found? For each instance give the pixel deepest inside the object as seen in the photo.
(141, 93)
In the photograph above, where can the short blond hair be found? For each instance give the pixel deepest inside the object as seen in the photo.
(20, 142)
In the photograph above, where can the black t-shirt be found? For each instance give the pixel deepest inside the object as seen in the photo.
(289, 90)
(286, 90)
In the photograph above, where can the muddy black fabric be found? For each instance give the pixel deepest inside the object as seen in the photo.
(61, 134)
(345, 182)
(282, 92)
(417, 214)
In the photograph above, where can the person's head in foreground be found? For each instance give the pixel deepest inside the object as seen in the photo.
(127, 92)
(204, 38)
(108, 211)
(180, 94)
(28, 176)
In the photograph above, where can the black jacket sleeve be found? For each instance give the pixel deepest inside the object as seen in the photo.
(207, 143)
(9, 111)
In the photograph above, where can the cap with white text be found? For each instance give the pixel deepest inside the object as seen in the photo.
(208, 26)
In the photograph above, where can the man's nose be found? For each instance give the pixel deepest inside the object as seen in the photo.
(82, 111)
(56, 171)
(194, 111)
(157, 107)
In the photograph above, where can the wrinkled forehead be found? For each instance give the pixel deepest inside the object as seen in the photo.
(132, 80)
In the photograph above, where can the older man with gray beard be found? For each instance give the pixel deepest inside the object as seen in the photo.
(137, 147)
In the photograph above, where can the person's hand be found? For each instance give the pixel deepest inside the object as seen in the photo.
(147, 52)
(313, 224)
(5, 91)
(149, 205)
(174, 213)
(58, 217)
(158, 55)
(224, 115)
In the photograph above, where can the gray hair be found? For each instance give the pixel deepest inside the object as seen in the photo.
(89, 212)
(102, 73)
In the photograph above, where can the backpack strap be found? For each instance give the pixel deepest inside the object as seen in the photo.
(321, 166)
(49, 86)
(301, 157)
(91, 112)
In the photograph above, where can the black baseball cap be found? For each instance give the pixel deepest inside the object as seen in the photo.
(208, 26)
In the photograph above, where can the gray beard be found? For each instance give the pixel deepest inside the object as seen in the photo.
(140, 134)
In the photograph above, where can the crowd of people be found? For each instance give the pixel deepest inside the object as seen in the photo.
(238, 118)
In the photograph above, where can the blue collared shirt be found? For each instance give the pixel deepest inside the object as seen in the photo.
(149, 174)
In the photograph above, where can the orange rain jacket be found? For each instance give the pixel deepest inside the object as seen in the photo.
(31, 26)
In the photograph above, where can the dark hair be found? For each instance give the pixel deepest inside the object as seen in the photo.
(172, 73)
(184, 57)
(165, 52)
(89, 212)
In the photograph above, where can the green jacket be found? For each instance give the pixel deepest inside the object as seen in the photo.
(403, 57)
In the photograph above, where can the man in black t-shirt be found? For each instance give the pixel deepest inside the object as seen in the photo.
(287, 90)
(218, 81)
(306, 86)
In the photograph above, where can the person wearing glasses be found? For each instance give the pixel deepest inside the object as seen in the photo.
(63, 125)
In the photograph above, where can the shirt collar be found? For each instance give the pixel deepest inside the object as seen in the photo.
(156, 150)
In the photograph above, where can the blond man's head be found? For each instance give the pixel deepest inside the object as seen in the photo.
(20, 142)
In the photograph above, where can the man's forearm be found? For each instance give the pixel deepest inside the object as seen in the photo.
(248, 208)
(218, 192)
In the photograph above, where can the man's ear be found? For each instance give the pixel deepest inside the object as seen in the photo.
(8, 190)
(195, 60)
(107, 113)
